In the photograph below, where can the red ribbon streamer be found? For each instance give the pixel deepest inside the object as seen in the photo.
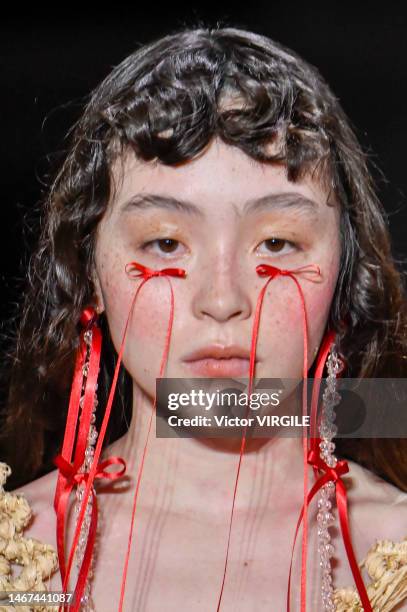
(147, 273)
(273, 272)
(69, 473)
(333, 474)
(66, 481)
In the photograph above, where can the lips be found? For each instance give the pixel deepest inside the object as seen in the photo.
(219, 361)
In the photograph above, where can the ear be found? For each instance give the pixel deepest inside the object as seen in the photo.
(98, 294)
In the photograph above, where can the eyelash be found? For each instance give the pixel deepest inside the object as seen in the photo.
(145, 245)
(293, 245)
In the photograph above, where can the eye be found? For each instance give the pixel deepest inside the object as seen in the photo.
(164, 245)
(277, 245)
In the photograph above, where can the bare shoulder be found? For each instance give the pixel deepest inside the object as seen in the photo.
(378, 507)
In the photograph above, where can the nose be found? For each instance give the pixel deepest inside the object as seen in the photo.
(222, 293)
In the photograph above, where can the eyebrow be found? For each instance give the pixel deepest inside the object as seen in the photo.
(272, 201)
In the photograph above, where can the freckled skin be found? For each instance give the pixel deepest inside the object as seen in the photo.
(217, 300)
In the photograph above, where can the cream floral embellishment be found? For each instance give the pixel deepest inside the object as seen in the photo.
(38, 560)
(386, 565)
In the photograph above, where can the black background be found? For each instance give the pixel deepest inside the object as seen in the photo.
(49, 64)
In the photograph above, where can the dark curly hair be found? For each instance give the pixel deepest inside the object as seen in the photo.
(166, 101)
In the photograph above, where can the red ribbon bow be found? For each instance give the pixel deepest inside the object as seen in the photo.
(331, 473)
(68, 470)
(273, 271)
(147, 273)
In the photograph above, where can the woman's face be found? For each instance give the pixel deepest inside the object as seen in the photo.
(217, 217)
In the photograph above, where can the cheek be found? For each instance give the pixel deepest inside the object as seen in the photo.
(318, 306)
(284, 304)
(151, 316)
(281, 320)
(147, 324)
(281, 332)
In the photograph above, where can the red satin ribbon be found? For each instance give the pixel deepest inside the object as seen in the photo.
(68, 470)
(146, 273)
(333, 474)
(69, 473)
(273, 272)
(66, 482)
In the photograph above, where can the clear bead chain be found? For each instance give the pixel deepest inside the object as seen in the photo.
(325, 517)
(87, 604)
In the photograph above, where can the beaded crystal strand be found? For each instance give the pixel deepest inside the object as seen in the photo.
(325, 518)
(86, 599)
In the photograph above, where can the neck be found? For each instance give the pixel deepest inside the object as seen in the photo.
(208, 464)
